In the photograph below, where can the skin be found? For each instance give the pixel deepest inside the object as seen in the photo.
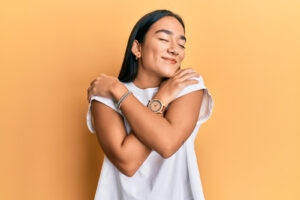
(163, 133)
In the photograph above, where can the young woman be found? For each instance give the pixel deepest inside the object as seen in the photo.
(146, 120)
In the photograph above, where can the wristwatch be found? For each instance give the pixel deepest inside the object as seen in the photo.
(156, 106)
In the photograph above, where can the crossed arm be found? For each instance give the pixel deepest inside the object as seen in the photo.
(150, 131)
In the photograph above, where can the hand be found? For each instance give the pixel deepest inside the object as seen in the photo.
(102, 86)
(170, 88)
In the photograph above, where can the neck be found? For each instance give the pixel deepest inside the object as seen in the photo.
(145, 79)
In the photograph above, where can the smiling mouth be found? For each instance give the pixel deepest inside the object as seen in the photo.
(173, 61)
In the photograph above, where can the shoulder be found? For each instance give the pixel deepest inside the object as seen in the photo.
(194, 87)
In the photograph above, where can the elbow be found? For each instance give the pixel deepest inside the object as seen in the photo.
(169, 148)
(168, 145)
(167, 151)
(166, 154)
(129, 172)
(128, 169)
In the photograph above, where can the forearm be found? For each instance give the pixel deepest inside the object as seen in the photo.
(152, 129)
(124, 150)
(135, 153)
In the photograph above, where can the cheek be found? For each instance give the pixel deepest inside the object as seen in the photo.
(182, 55)
(152, 55)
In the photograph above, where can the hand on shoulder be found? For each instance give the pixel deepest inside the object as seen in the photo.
(170, 88)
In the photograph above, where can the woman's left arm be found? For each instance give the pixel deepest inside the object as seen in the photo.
(162, 134)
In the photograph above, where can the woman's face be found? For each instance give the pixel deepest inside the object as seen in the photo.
(163, 48)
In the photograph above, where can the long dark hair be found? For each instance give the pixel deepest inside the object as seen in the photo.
(130, 64)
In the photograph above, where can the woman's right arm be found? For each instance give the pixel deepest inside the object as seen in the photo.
(126, 152)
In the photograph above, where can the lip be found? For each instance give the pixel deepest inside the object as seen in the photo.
(170, 59)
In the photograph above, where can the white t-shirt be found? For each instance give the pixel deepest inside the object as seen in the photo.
(174, 178)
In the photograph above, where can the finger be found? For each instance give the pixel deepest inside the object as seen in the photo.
(89, 97)
(190, 82)
(189, 75)
(93, 82)
(184, 71)
(179, 70)
(88, 91)
(96, 79)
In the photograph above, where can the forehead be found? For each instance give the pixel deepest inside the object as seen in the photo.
(169, 23)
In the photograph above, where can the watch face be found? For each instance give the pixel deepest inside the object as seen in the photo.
(155, 105)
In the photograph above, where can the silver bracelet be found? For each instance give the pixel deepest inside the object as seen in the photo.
(118, 105)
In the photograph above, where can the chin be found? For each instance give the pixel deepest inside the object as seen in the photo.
(170, 73)
(167, 74)
(167, 71)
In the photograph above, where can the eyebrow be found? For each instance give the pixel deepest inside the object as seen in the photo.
(170, 33)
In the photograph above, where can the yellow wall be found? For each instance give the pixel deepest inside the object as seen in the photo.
(248, 52)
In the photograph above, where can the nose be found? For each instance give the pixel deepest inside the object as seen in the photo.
(172, 49)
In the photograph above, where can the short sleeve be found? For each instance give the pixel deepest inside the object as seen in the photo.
(107, 101)
(207, 101)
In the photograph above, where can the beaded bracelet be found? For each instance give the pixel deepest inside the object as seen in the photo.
(118, 105)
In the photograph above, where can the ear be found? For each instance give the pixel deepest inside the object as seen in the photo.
(136, 48)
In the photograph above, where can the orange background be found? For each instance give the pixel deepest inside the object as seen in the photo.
(248, 53)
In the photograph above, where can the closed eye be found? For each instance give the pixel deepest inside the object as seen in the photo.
(163, 39)
(168, 40)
